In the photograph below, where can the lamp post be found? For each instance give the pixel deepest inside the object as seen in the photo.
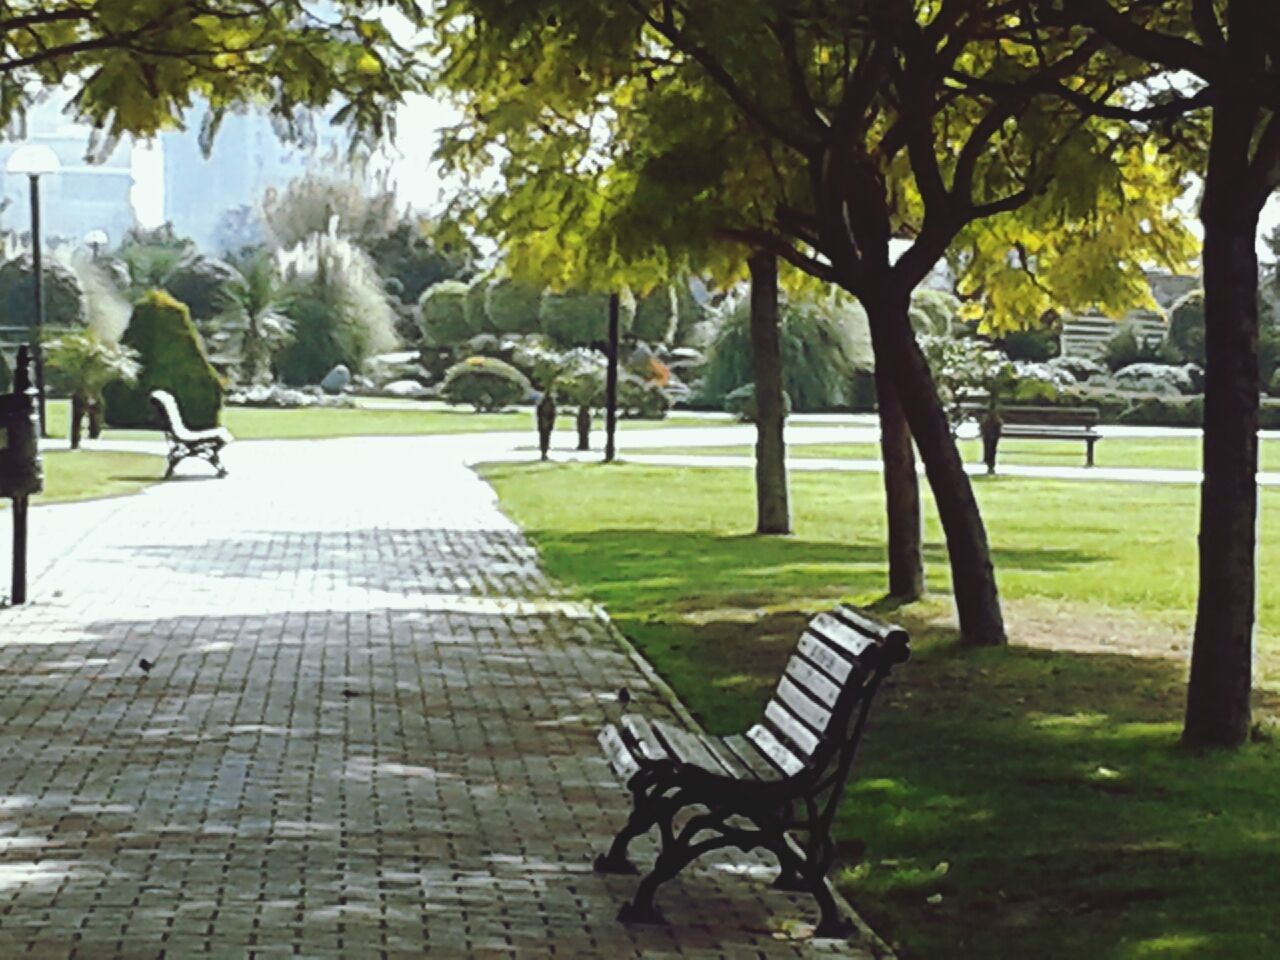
(34, 160)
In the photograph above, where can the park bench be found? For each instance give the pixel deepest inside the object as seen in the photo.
(1038, 423)
(784, 777)
(185, 442)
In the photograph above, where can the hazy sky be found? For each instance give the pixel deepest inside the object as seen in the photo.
(417, 180)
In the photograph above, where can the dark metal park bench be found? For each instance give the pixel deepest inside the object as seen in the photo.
(185, 442)
(1038, 423)
(784, 777)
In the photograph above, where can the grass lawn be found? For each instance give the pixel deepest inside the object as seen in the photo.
(1023, 802)
(89, 474)
(260, 424)
(1160, 452)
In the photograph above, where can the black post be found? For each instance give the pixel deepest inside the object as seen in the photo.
(37, 268)
(18, 594)
(611, 383)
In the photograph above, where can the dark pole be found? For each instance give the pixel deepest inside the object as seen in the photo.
(37, 269)
(611, 383)
(18, 594)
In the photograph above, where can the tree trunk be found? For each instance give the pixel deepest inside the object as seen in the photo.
(901, 495)
(972, 575)
(584, 428)
(77, 419)
(773, 513)
(93, 409)
(1222, 650)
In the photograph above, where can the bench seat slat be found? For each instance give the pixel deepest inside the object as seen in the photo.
(750, 756)
(808, 677)
(687, 748)
(775, 750)
(803, 706)
(822, 655)
(639, 732)
(617, 753)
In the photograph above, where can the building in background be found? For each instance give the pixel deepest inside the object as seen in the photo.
(82, 197)
(205, 198)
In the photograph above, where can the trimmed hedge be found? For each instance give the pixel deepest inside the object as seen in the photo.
(582, 319)
(64, 300)
(173, 359)
(512, 306)
(486, 383)
(656, 316)
(442, 314)
(475, 306)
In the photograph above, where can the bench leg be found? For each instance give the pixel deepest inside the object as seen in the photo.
(175, 458)
(674, 857)
(215, 461)
(1088, 456)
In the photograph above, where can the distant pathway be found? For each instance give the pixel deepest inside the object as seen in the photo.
(368, 731)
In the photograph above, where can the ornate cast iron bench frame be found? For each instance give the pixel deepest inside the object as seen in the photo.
(185, 442)
(784, 776)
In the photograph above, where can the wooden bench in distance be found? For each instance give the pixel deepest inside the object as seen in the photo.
(1040, 423)
(775, 787)
(185, 442)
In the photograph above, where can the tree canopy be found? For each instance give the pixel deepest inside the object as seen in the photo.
(135, 67)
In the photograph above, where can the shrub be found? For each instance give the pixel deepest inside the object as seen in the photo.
(642, 399)
(172, 356)
(581, 379)
(485, 383)
(6, 375)
(1186, 327)
(64, 304)
(475, 306)
(1125, 349)
(1274, 388)
(341, 314)
(822, 347)
(656, 316)
(582, 319)
(512, 306)
(742, 403)
(1036, 345)
(1268, 351)
(204, 285)
(933, 311)
(442, 314)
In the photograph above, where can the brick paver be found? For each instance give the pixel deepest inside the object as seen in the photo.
(368, 731)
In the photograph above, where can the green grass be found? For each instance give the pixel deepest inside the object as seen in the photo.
(89, 474)
(313, 424)
(1157, 453)
(1038, 790)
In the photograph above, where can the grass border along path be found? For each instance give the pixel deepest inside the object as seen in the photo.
(1021, 802)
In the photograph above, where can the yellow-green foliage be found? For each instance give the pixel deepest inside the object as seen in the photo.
(173, 359)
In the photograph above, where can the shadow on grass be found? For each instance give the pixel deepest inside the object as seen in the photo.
(1018, 802)
(692, 571)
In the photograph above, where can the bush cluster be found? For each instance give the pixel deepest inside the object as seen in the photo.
(486, 383)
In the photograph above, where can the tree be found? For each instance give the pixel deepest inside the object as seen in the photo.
(255, 307)
(81, 365)
(773, 513)
(135, 66)
(820, 137)
(1230, 51)
(64, 299)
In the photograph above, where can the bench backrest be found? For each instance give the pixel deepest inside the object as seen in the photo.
(836, 666)
(170, 415)
(1030, 415)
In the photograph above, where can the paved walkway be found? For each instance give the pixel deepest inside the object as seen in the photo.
(368, 730)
